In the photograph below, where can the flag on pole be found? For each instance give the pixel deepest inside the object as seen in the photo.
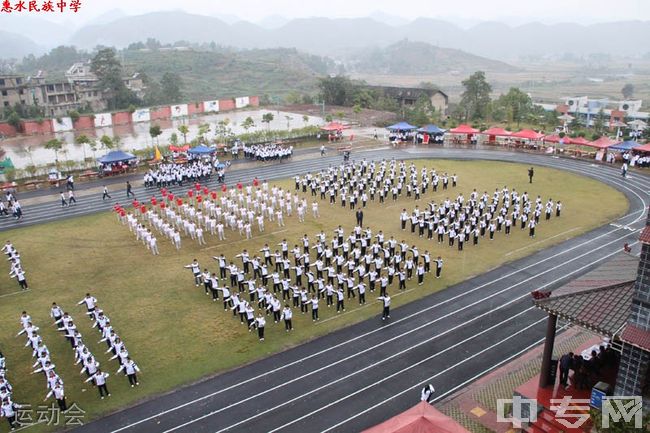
(157, 155)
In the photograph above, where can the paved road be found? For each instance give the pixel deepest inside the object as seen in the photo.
(358, 376)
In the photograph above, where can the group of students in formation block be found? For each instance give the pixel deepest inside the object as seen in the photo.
(238, 210)
(461, 220)
(345, 267)
(16, 269)
(8, 408)
(43, 364)
(354, 185)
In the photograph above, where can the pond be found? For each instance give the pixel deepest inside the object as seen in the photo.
(26, 150)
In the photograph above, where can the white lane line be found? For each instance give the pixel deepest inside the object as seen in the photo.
(516, 299)
(362, 336)
(440, 397)
(266, 391)
(14, 293)
(411, 366)
(542, 241)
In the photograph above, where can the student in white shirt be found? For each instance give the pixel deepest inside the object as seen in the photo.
(386, 301)
(130, 369)
(99, 379)
(287, 315)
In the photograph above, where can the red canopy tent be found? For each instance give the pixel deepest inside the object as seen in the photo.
(581, 141)
(464, 129)
(528, 134)
(644, 148)
(497, 132)
(421, 418)
(556, 139)
(334, 126)
(179, 148)
(602, 143)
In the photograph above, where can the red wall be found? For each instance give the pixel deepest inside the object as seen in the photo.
(121, 117)
(161, 113)
(84, 122)
(194, 107)
(226, 104)
(31, 127)
(254, 101)
(7, 130)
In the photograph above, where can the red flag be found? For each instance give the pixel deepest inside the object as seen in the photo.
(256, 182)
(206, 190)
(197, 186)
(170, 197)
(143, 209)
(136, 203)
(239, 185)
(214, 195)
(199, 199)
(162, 205)
(179, 201)
(224, 188)
(190, 193)
(154, 201)
(163, 191)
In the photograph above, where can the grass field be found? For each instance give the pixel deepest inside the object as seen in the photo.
(178, 336)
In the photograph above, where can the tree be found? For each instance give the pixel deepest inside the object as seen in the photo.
(14, 120)
(305, 119)
(171, 84)
(55, 145)
(74, 115)
(173, 139)
(155, 131)
(248, 123)
(183, 129)
(516, 104)
(267, 118)
(108, 70)
(83, 140)
(336, 90)
(476, 97)
(106, 142)
(628, 91)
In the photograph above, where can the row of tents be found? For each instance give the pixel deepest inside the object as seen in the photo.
(116, 156)
(525, 134)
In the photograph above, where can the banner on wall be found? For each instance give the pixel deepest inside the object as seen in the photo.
(62, 124)
(103, 119)
(242, 101)
(210, 106)
(179, 110)
(141, 115)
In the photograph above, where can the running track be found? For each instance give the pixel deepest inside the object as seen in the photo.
(356, 377)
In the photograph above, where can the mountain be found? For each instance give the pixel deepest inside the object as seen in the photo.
(34, 28)
(391, 20)
(15, 46)
(272, 22)
(419, 58)
(107, 17)
(337, 37)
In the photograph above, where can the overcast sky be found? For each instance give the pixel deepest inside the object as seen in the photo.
(511, 11)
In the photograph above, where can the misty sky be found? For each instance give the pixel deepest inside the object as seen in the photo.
(469, 11)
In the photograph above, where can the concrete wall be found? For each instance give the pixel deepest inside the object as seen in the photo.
(121, 118)
(194, 108)
(31, 127)
(84, 122)
(254, 101)
(226, 104)
(8, 130)
(161, 113)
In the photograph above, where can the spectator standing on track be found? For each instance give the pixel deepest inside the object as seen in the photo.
(427, 393)
(105, 194)
(64, 202)
(129, 190)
